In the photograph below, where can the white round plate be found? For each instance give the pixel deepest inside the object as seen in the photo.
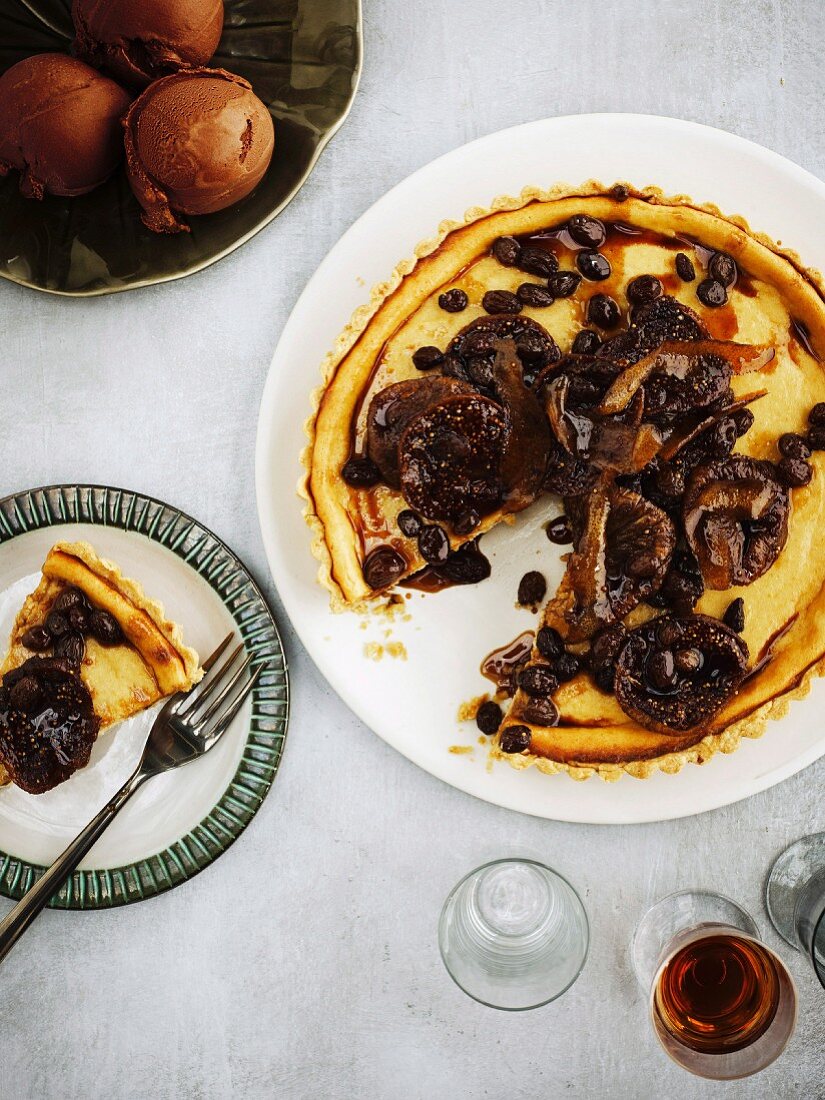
(179, 822)
(413, 703)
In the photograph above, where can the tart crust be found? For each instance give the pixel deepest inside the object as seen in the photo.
(150, 663)
(607, 743)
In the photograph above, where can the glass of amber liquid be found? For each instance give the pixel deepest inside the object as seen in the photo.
(795, 898)
(723, 1004)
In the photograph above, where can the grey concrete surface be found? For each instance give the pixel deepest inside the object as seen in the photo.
(304, 962)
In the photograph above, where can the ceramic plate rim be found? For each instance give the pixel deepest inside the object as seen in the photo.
(107, 888)
(267, 420)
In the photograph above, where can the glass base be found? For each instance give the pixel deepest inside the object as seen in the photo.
(788, 877)
(513, 934)
(675, 913)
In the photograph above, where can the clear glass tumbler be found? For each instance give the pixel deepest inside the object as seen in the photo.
(513, 934)
(795, 898)
(722, 1004)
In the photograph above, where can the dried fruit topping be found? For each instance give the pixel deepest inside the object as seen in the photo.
(71, 647)
(489, 717)
(427, 357)
(409, 523)
(734, 616)
(70, 597)
(360, 472)
(792, 445)
(506, 250)
(382, 567)
(680, 684)
(711, 293)
(467, 565)
(466, 522)
(539, 710)
(794, 472)
(567, 475)
(683, 584)
(532, 589)
(534, 345)
(453, 301)
(663, 319)
(640, 540)
(549, 643)
(586, 231)
(816, 417)
(392, 409)
(593, 265)
(534, 295)
(514, 739)
(604, 649)
(684, 268)
(537, 261)
(586, 342)
(47, 723)
(37, 639)
(586, 574)
(105, 628)
(537, 680)
(644, 288)
(735, 518)
(433, 544)
(450, 457)
(722, 268)
(603, 311)
(559, 531)
(563, 284)
(500, 301)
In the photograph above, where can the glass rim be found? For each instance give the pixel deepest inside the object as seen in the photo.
(819, 926)
(544, 867)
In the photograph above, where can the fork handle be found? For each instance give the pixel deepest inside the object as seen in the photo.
(37, 897)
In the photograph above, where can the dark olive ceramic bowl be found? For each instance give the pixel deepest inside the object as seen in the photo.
(303, 58)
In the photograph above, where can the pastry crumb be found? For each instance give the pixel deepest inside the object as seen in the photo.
(460, 750)
(373, 650)
(468, 710)
(397, 650)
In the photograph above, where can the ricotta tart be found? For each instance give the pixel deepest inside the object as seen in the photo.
(88, 649)
(657, 366)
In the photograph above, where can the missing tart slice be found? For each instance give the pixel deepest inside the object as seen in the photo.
(88, 649)
(653, 364)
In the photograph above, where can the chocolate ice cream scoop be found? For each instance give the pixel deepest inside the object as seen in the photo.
(59, 125)
(196, 142)
(138, 41)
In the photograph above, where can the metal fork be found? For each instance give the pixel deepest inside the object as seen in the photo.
(188, 726)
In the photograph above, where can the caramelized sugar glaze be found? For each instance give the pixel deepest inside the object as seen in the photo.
(559, 295)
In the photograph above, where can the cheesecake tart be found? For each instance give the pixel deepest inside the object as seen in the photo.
(88, 649)
(653, 363)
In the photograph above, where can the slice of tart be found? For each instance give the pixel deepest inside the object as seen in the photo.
(657, 367)
(88, 649)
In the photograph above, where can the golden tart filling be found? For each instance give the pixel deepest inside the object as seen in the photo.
(653, 364)
(87, 649)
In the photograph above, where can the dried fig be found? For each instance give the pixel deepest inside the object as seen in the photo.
(535, 347)
(735, 516)
(640, 540)
(450, 457)
(674, 675)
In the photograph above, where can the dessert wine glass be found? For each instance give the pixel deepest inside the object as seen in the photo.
(722, 1004)
(795, 898)
(513, 934)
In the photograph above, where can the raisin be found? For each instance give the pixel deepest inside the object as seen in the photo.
(56, 624)
(68, 598)
(602, 310)
(722, 268)
(501, 301)
(467, 522)
(538, 680)
(453, 301)
(105, 628)
(563, 283)
(532, 589)
(488, 717)
(559, 531)
(586, 231)
(535, 295)
(586, 342)
(816, 417)
(566, 666)
(711, 293)
(644, 288)
(537, 261)
(71, 648)
(660, 671)
(684, 268)
(593, 265)
(78, 619)
(515, 739)
(792, 445)
(816, 437)
(506, 250)
(427, 357)
(734, 616)
(743, 418)
(37, 638)
(409, 523)
(794, 472)
(433, 544)
(382, 566)
(549, 643)
(360, 472)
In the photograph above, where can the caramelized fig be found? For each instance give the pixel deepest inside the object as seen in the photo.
(391, 410)
(587, 568)
(450, 457)
(47, 723)
(735, 516)
(640, 542)
(527, 449)
(567, 475)
(673, 675)
(535, 347)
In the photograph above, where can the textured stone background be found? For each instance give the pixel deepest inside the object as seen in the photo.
(304, 962)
